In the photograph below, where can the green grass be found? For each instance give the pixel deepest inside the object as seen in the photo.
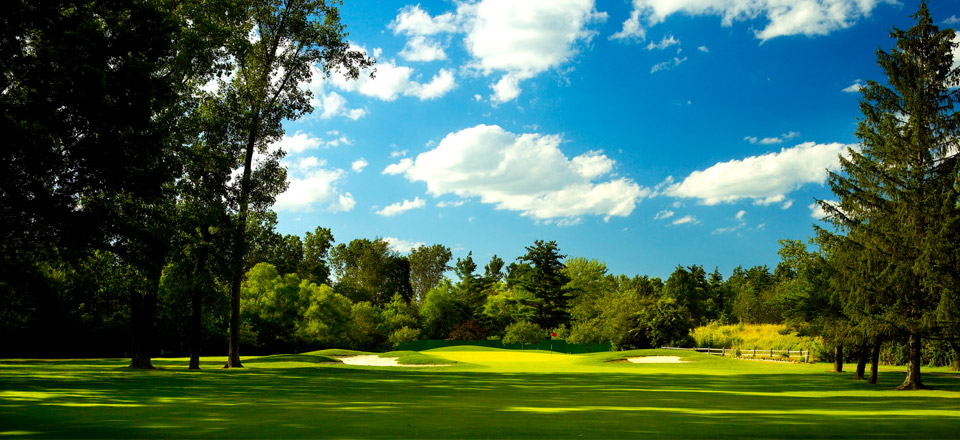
(487, 393)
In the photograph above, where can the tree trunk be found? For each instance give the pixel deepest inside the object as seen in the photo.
(862, 355)
(143, 309)
(838, 358)
(199, 287)
(913, 382)
(233, 353)
(874, 363)
(240, 243)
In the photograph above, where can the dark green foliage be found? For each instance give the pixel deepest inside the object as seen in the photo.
(368, 270)
(895, 239)
(546, 279)
(427, 265)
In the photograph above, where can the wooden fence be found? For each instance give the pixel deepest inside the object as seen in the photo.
(801, 355)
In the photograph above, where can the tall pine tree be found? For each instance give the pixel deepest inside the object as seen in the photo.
(897, 193)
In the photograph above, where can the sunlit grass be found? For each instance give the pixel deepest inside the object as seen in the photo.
(487, 393)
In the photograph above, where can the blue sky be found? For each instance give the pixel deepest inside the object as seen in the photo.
(644, 134)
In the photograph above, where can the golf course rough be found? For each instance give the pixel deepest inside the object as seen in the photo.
(484, 393)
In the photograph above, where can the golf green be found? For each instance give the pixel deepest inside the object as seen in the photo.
(485, 393)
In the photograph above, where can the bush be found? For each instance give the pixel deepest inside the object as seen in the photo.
(523, 333)
(749, 336)
(404, 334)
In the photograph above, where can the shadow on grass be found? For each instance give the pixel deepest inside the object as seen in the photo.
(103, 399)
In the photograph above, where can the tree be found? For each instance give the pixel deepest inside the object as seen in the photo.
(523, 333)
(427, 265)
(689, 288)
(316, 250)
(368, 270)
(493, 271)
(897, 193)
(88, 85)
(547, 280)
(505, 306)
(292, 39)
(442, 310)
(327, 319)
(470, 289)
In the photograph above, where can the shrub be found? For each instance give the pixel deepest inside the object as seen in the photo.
(523, 332)
(404, 334)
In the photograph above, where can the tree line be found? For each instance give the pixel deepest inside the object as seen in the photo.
(136, 190)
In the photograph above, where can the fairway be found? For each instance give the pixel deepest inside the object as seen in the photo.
(486, 393)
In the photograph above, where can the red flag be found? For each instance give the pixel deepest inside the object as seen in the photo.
(553, 334)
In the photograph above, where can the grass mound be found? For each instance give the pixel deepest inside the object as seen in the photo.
(465, 348)
(417, 358)
(287, 358)
(330, 352)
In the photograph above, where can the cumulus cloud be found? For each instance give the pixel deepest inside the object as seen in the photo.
(421, 48)
(766, 179)
(401, 207)
(685, 220)
(402, 246)
(313, 184)
(328, 104)
(412, 20)
(509, 40)
(315, 187)
(421, 29)
(522, 172)
(781, 18)
(358, 165)
(393, 80)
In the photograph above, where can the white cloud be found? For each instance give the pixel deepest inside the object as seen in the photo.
(817, 211)
(298, 143)
(740, 214)
(509, 39)
(781, 17)
(393, 80)
(664, 214)
(855, 87)
(664, 43)
(401, 207)
(766, 179)
(520, 39)
(772, 140)
(402, 246)
(686, 219)
(446, 204)
(312, 184)
(313, 188)
(326, 104)
(631, 29)
(420, 48)
(522, 172)
(415, 21)
(358, 165)
(667, 65)
(703, 49)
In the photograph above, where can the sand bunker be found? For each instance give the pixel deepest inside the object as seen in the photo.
(372, 360)
(655, 360)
